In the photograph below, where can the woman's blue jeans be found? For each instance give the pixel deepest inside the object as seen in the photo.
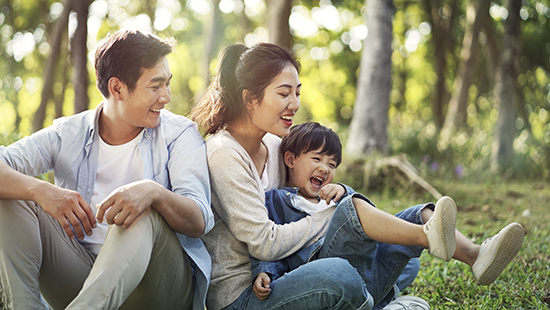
(350, 271)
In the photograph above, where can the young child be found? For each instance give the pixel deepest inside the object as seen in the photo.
(378, 244)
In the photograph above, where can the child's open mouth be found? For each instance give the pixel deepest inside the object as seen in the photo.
(316, 182)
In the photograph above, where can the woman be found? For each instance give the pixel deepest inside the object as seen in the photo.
(250, 102)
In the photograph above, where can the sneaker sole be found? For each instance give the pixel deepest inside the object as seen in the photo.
(448, 212)
(507, 249)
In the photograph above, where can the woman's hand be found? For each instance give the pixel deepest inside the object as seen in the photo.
(332, 192)
(261, 286)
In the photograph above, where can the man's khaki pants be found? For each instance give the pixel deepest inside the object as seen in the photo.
(142, 267)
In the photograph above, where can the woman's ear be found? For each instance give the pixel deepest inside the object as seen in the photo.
(247, 99)
(116, 88)
(289, 158)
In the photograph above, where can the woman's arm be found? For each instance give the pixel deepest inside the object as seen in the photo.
(241, 207)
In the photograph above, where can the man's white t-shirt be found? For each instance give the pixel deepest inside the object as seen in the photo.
(118, 165)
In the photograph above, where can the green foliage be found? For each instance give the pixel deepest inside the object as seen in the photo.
(330, 56)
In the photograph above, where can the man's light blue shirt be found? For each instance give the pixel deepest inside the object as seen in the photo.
(174, 155)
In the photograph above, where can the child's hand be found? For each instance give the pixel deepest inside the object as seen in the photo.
(261, 286)
(332, 192)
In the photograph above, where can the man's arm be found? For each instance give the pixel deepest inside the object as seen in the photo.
(68, 207)
(184, 201)
(124, 205)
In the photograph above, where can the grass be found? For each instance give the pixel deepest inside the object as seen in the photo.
(483, 210)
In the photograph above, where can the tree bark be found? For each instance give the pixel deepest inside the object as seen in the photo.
(60, 100)
(456, 114)
(279, 28)
(79, 51)
(368, 129)
(506, 89)
(48, 78)
(212, 31)
(443, 42)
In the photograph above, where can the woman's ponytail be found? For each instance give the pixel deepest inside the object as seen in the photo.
(220, 101)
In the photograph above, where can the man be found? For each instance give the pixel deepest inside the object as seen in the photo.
(120, 227)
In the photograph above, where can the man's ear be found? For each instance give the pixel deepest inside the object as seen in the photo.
(289, 158)
(117, 88)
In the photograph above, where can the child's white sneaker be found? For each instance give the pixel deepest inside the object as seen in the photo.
(440, 229)
(408, 303)
(497, 252)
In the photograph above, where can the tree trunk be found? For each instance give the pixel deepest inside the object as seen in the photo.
(456, 115)
(506, 89)
(490, 47)
(212, 31)
(244, 23)
(48, 78)
(368, 129)
(79, 52)
(149, 7)
(279, 28)
(60, 100)
(442, 43)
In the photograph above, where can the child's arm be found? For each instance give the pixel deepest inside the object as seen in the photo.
(332, 192)
(261, 286)
(273, 269)
(335, 192)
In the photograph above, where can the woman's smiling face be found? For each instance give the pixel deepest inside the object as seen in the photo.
(280, 102)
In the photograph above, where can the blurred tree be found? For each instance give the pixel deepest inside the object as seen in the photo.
(79, 52)
(456, 114)
(213, 30)
(55, 39)
(441, 15)
(506, 89)
(279, 29)
(368, 129)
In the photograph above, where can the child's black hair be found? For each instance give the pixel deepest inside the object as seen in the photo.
(312, 136)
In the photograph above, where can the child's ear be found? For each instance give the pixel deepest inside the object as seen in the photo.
(289, 158)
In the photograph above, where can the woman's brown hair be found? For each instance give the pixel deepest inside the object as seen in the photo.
(240, 68)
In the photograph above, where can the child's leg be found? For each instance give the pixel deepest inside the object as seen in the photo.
(438, 234)
(387, 228)
(380, 265)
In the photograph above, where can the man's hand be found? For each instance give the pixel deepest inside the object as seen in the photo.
(332, 192)
(126, 203)
(70, 209)
(261, 286)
